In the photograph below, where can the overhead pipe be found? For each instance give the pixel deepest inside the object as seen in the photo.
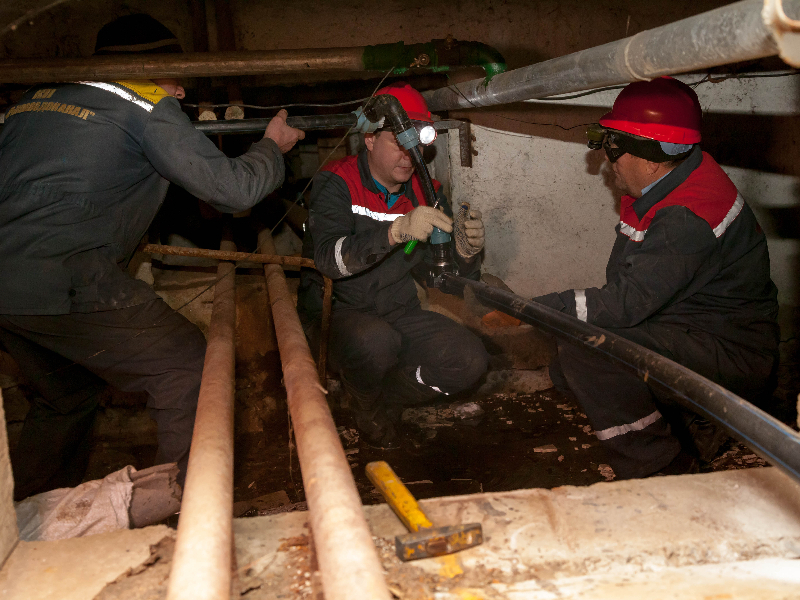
(436, 56)
(347, 557)
(729, 34)
(765, 435)
(201, 565)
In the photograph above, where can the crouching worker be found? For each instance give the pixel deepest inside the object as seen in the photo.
(388, 351)
(688, 277)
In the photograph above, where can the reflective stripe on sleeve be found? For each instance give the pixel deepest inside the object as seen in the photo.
(580, 305)
(433, 387)
(378, 216)
(611, 432)
(732, 214)
(339, 260)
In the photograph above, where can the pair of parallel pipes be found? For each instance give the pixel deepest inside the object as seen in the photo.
(730, 34)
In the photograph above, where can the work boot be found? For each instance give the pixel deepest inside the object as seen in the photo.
(707, 437)
(683, 464)
(376, 429)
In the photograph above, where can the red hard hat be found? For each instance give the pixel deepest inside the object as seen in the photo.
(663, 109)
(411, 100)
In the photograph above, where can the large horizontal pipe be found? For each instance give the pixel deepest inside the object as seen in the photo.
(201, 566)
(437, 55)
(725, 35)
(347, 557)
(765, 435)
(306, 123)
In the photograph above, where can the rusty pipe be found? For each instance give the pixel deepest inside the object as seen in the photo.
(294, 261)
(189, 64)
(347, 557)
(201, 565)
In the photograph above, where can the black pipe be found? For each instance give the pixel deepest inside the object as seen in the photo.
(307, 123)
(765, 435)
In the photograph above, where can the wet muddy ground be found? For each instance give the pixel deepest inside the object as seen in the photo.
(475, 444)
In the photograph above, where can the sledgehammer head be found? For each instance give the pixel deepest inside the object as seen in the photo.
(436, 541)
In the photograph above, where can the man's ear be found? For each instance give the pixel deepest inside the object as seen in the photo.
(369, 141)
(652, 167)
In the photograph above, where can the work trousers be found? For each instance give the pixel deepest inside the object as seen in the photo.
(409, 360)
(67, 358)
(639, 427)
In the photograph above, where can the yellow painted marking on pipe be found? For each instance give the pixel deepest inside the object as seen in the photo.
(449, 566)
(397, 495)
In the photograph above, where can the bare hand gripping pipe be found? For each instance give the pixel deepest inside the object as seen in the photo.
(765, 435)
(347, 557)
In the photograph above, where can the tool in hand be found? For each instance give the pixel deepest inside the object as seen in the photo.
(425, 540)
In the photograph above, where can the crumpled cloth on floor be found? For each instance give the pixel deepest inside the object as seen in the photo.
(93, 507)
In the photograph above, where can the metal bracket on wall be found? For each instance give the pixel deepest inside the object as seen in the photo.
(464, 138)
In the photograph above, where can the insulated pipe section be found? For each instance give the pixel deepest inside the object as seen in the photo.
(765, 435)
(201, 565)
(725, 35)
(346, 555)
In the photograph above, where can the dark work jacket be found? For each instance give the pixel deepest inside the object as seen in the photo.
(688, 253)
(348, 237)
(85, 168)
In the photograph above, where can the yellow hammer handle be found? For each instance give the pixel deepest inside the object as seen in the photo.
(397, 495)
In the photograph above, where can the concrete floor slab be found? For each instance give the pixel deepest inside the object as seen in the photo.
(731, 533)
(75, 569)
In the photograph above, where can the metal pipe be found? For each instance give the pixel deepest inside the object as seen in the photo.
(725, 35)
(436, 56)
(188, 64)
(201, 565)
(306, 123)
(765, 435)
(347, 557)
(276, 259)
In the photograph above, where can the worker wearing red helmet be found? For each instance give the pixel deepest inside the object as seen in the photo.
(688, 277)
(388, 351)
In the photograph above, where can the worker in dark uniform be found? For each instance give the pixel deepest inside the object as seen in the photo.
(388, 351)
(86, 166)
(688, 277)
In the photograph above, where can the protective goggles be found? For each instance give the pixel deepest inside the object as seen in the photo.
(624, 143)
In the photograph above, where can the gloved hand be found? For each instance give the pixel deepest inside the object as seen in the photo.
(419, 223)
(470, 234)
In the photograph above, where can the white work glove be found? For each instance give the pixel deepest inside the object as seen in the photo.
(419, 224)
(470, 234)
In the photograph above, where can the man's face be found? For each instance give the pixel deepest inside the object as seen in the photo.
(630, 174)
(389, 162)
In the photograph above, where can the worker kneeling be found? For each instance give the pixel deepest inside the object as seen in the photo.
(688, 277)
(388, 351)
